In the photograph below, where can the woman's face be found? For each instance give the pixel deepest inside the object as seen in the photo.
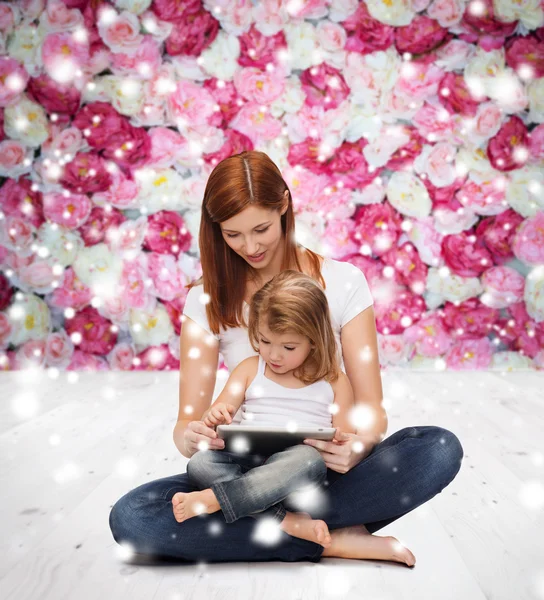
(254, 231)
(283, 352)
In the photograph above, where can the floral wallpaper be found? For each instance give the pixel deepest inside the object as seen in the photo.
(410, 133)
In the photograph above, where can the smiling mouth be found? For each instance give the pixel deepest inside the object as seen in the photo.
(257, 255)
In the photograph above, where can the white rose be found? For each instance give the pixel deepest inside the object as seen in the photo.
(525, 190)
(371, 75)
(373, 193)
(508, 91)
(474, 162)
(437, 162)
(310, 230)
(152, 25)
(452, 287)
(192, 222)
(535, 92)
(235, 17)
(340, 10)
(100, 269)
(159, 189)
(136, 7)
(509, 361)
(27, 122)
(335, 124)
(62, 244)
(381, 149)
(24, 44)
(529, 12)
(407, 193)
(220, 59)
(291, 100)
(394, 12)
(363, 122)
(150, 328)
(393, 349)
(454, 55)
(450, 222)
(534, 293)
(303, 46)
(30, 318)
(125, 94)
(184, 67)
(482, 69)
(278, 150)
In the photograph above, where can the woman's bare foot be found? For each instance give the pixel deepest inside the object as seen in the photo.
(302, 525)
(191, 504)
(357, 542)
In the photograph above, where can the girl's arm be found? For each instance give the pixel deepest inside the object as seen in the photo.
(234, 392)
(343, 399)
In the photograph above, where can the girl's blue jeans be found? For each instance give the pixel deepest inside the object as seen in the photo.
(248, 484)
(402, 472)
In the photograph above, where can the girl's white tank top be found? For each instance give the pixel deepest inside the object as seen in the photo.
(269, 403)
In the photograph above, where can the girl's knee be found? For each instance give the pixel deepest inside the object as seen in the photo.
(313, 461)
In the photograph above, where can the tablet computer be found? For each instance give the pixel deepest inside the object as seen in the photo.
(266, 440)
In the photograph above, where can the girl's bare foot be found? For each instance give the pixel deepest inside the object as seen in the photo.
(356, 542)
(191, 504)
(302, 525)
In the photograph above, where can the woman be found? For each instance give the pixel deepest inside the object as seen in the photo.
(247, 235)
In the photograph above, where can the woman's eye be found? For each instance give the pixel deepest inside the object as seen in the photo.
(233, 235)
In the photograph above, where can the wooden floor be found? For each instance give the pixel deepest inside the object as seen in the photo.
(69, 449)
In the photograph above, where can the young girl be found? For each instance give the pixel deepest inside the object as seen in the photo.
(295, 379)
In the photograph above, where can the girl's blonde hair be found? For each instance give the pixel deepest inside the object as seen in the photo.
(295, 302)
(247, 179)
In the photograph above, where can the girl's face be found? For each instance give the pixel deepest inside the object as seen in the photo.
(254, 231)
(283, 352)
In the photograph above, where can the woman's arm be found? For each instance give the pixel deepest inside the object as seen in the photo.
(343, 399)
(198, 358)
(360, 352)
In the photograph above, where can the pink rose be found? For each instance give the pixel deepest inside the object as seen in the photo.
(483, 25)
(324, 86)
(406, 154)
(310, 9)
(469, 320)
(130, 149)
(168, 10)
(235, 142)
(391, 315)
(101, 225)
(68, 141)
(121, 357)
(366, 34)
(332, 36)
(536, 143)
(258, 50)
(37, 276)
(31, 354)
(422, 35)
(438, 163)
(408, 264)
(429, 336)
(523, 333)
(116, 310)
(378, 226)
(228, 102)
(174, 308)
(166, 275)
(419, 79)
(132, 285)
(166, 145)
(96, 334)
(526, 51)
(69, 211)
(487, 121)
(257, 124)
(470, 355)
(8, 361)
(259, 86)
(13, 80)
(12, 158)
(6, 290)
(63, 55)
(308, 154)
(190, 104)
(502, 286)
(466, 255)
(507, 149)
(71, 293)
(58, 349)
(58, 17)
(337, 240)
(128, 237)
(84, 361)
(484, 199)
(434, 120)
(7, 17)
(455, 96)
(392, 350)
(349, 165)
(121, 33)
(447, 12)
(528, 243)
(192, 34)
(100, 124)
(143, 62)
(6, 329)
(121, 194)
(86, 174)
(167, 233)
(17, 234)
(156, 358)
(497, 234)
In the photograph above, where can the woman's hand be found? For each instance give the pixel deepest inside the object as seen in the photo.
(198, 431)
(218, 414)
(344, 451)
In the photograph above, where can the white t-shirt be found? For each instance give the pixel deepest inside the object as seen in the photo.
(347, 293)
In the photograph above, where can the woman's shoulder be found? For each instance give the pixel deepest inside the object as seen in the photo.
(335, 271)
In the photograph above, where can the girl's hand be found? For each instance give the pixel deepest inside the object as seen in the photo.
(196, 432)
(339, 454)
(218, 414)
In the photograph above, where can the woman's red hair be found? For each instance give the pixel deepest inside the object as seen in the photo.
(241, 180)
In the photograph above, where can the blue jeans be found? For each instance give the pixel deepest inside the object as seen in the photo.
(402, 472)
(248, 484)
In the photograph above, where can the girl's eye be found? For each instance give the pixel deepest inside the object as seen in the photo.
(233, 235)
(290, 349)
